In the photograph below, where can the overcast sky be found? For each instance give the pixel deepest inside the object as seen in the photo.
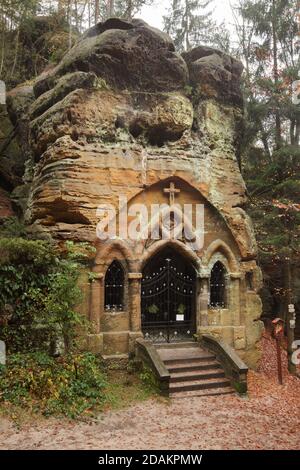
(154, 14)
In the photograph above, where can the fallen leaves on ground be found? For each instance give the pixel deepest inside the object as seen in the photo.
(269, 418)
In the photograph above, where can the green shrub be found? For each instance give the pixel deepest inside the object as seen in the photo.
(149, 380)
(12, 227)
(39, 290)
(71, 385)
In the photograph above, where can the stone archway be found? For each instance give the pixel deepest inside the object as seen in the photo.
(168, 297)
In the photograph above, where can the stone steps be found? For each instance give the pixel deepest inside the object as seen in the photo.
(193, 371)
(181, 345)
(194, 366)
(184, 354)
(203, 393)
(195, 375)
(198, 384)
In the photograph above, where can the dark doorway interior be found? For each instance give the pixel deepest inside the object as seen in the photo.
(168, 298)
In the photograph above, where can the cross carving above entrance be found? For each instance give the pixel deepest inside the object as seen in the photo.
(172, 191)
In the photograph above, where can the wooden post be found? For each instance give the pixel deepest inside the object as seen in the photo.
(279, 363)
(278, 330)
(289, 317)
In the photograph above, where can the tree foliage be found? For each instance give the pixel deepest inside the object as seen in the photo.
(269, 47)
(190, 23)
(35, 34)
(38, 295)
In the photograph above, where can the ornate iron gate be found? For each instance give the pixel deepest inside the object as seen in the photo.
(168, 300)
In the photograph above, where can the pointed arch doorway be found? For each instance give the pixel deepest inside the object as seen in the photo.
(168, 298)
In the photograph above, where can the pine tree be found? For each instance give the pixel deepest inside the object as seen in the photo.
(189, 23)
(126, 9)
(268, 33)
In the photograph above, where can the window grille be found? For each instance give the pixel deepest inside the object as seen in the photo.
(114, 287)
(218, 286)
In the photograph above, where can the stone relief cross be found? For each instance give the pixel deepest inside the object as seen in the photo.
(172, 191)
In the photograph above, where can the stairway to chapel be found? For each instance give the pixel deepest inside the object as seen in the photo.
(193, 371)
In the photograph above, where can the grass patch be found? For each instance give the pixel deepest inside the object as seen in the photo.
(126, 388)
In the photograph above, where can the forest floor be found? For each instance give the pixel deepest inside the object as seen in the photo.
(269, 418)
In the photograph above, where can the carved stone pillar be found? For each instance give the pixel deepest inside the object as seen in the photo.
(97, 301)
(135, 280)
(203, 300)
(235, 298)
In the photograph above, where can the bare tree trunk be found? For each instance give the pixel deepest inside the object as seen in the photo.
(2, 50)
(61, 8)
(289, 315)
(292, 131)
(110, 8)
(97, 11)
(265, 142)
(297, 133)
(76, 15)
(70, 22)
(276, 76)
(129, 10)
(187, 39)
(3, 27)
(16, 51)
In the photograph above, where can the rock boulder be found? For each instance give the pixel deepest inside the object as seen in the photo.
(215, 74)
(127, 56)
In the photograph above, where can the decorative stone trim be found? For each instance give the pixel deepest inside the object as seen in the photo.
(98, 276)
(235, 275)
(135, 275)
(218, 250)
(115, 313)
(204, 273)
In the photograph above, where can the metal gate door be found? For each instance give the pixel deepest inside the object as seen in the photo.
(168, 298)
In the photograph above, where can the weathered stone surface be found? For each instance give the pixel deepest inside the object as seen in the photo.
(15, 158)
(11, 158)
(215, 74)
(64, 86)
(18, 102)
(136, 58)
(5, 205)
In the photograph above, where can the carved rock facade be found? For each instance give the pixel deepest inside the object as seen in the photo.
(125, 114)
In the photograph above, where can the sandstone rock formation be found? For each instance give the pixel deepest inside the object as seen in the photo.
(123, 112)
(215, 74)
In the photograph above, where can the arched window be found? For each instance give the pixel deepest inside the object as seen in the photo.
(114, 287)
(218, 286)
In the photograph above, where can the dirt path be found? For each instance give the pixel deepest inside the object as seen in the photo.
(268, 419)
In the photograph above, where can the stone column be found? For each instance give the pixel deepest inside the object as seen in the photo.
(97, 301)
(234, 298)
(202, 301)
(135, 280)
(95, 340)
